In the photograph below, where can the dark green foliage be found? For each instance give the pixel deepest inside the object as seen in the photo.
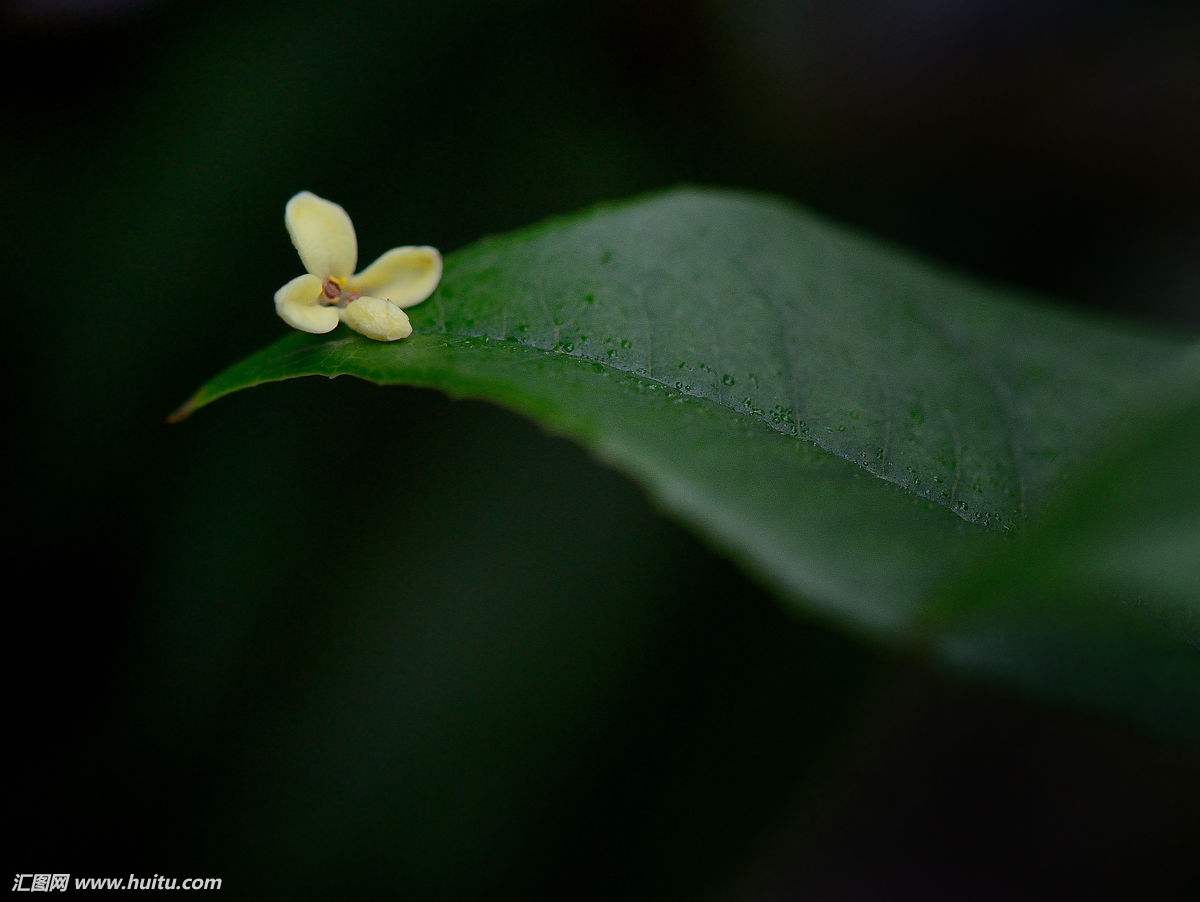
(875, 438)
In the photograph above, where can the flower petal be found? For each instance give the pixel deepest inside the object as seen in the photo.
(323, 235)
(377, 319)
(404, 275)
(297, 305)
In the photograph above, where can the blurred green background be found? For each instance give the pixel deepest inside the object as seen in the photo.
(493, 670)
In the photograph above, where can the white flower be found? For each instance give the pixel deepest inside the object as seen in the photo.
(372, 302)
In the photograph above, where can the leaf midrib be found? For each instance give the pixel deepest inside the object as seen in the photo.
(996, 386)
(584, 358)
(672, 389)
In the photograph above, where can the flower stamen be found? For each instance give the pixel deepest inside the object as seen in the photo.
(334, 295)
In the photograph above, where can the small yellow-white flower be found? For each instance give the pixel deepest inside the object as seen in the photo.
(371, 302)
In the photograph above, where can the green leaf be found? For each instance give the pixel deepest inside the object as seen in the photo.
(856, 426)
(1099, 600)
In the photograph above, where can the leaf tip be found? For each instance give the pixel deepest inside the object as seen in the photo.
(183, 411)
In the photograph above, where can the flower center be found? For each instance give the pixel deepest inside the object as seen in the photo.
(334, 295)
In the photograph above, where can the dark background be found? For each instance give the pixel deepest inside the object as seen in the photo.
(492, 669)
